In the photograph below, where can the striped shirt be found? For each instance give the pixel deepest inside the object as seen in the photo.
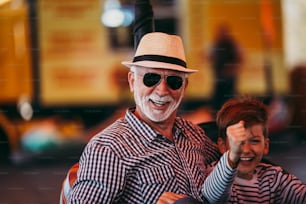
(129, 162)
(270, 184)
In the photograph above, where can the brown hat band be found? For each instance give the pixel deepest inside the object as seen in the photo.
(160, 58)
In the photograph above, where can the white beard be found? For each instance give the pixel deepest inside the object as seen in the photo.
(153, 114)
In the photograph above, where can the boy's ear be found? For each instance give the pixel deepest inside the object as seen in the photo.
(221, 145)
(266, 147)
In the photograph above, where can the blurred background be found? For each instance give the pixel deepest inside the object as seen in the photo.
(61, 78)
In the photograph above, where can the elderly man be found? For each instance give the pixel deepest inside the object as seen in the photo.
(151, 150)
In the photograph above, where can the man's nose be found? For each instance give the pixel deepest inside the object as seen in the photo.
(162, 86)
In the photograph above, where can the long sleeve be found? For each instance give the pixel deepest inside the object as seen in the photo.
(287, 188)
(100, 178)
(217, 185)
(144, 20)
(270, 184)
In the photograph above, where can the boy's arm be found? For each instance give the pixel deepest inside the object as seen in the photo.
(217, 185)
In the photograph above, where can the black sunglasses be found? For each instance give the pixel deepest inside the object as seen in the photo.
(152, 79)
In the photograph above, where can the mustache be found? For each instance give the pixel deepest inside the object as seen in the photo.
(158, 98)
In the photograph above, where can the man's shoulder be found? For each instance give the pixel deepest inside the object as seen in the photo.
(187, 125)
(197, 134)
(119, 137)
(113, 134)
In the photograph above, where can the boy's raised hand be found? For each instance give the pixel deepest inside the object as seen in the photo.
(236, 135)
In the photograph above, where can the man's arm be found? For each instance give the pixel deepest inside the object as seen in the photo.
(100, 178)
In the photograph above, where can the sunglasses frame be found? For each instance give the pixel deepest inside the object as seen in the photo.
(166, 78)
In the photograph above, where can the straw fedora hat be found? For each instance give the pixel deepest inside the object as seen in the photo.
(160, 50)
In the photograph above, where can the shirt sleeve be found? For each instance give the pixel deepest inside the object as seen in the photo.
(100, 176)
(217, 185)
(290, 188)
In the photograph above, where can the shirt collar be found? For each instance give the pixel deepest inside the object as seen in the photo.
(145, 130)
(139, 126)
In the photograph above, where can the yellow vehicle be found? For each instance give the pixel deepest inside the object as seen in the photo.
(60, 73)
(15, 72)
(60, 62)
(56, 73)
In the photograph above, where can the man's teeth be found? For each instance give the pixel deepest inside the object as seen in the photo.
(159, 103)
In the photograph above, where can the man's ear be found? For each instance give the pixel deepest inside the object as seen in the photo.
(131, 80)
(186, 83)
(221, 145)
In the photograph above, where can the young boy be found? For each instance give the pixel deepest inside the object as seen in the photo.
(241, 176)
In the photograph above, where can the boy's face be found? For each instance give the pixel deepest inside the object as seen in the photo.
(252, 151)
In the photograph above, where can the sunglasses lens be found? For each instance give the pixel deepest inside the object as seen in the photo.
(150, 79)
(174, 82)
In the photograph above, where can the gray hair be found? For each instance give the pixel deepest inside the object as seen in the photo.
(134, 68)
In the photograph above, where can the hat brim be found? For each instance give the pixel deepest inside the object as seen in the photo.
(158, 65)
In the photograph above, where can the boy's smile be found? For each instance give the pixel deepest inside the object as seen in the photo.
(252, 151)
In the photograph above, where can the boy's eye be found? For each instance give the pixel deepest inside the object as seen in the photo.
(255, 141)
